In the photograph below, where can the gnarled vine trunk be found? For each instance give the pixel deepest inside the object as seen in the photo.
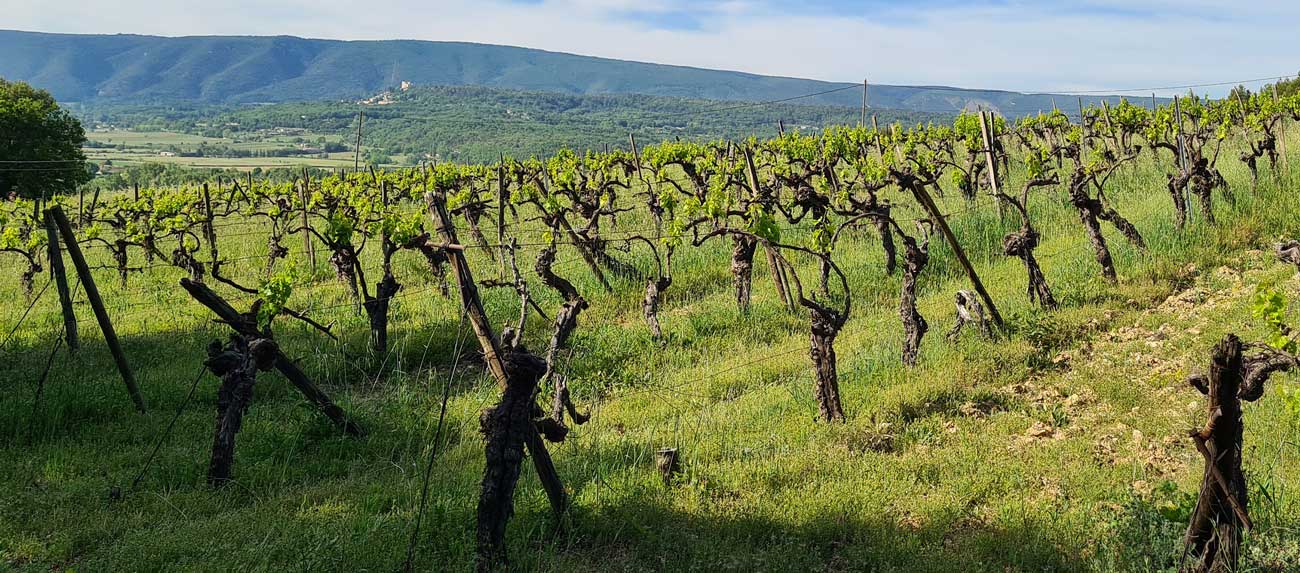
(506, 428)
(742, 270)
(237, 364)
(915, 257)
(826, 324)
(650, 305)
(1088, 210)
(376, 308)
(1021, 244)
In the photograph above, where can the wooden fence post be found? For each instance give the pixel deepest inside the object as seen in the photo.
(97, 304)
(60, 277)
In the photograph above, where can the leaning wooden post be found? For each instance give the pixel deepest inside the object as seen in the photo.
(243, 325)
(773, 262)
(1154, 108)
(478, 319)
(986, 131)
(60, 277)
(923, 197)
(495, 364)
(491, 347)
(97, 304)
(210, 231)
(304, 193)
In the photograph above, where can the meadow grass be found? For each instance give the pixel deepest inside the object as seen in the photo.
(1058, 447)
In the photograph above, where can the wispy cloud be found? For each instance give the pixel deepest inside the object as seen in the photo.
(1010, 44)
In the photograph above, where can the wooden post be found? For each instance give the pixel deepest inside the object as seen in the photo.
(1242, 104)
(97, 304)
(1110, 127)
(780, 126)
(60, 277)
(1154, 108)
(244, 326)
(356, 152)
(773, 263)
(1083, 129)
(81, 206)
(478, 319)
(210, 231)
(1281, 134)
(491, 348)
(863, 122)
(986, 130)
(669, 464)
(501, 215)
(923, 197)
(651, 188)
(875, 127)
(304, 194)
(1178, 129)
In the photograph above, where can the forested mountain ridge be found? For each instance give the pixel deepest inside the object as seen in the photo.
(259, 69)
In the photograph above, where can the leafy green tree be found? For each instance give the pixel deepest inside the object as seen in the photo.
(40, 144)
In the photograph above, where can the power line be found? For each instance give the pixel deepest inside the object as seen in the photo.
(1157, 89)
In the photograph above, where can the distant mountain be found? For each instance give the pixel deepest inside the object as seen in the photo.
(255, 69)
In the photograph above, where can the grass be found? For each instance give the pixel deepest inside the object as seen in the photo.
(1059, 448)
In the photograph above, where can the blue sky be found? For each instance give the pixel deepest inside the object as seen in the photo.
(1029, 45)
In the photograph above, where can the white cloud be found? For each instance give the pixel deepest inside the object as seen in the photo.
(1017, 45)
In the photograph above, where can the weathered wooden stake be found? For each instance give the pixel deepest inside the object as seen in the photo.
(242, 324)
(501, 215)
(668, 463)
(986, 131)
(97, 304)
(61, 281)
(1281, 135)
(923, 197)
(356, 153)
(509, 425)
(304, 193)
(491, 347)
(863, 121)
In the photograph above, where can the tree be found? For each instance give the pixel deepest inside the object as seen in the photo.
(40, 143)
